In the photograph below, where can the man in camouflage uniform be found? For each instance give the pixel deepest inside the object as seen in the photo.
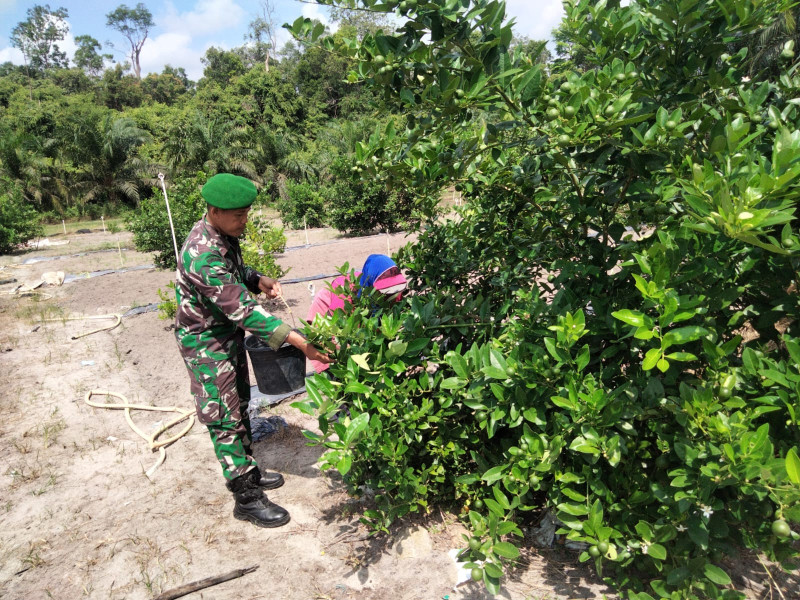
(214, 309)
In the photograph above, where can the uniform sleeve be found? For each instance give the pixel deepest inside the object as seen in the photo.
(251, 279)
(211, 278)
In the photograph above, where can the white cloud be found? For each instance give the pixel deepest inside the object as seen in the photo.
(12, 55)
(535, 19)
(207, 17)
(313, 11)
(173, 49)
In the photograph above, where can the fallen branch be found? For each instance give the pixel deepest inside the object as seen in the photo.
(203, 583)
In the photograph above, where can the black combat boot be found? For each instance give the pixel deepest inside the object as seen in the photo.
(253, 505)
(266, 481)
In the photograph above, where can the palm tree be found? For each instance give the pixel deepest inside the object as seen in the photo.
(211, 145)
(110, 169)
(25, 166)
(765, 46)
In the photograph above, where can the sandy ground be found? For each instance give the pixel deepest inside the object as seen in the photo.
(79, 517)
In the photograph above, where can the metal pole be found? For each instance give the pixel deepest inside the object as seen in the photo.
(169, 215)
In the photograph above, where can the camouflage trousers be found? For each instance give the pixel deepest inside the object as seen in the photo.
(221, 390)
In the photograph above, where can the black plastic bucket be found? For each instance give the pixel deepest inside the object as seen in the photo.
(278, 372)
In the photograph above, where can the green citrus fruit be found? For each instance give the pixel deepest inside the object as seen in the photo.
(474, 544)
(564, 139)
(781, 528)
(481, 416)
(523, 445)
(552, 102)
(477, 574)
(379, 59)
(670, 125)
(773, 124)
(633, 75)
(569, 111)
(788, 243)
(603, 547)
(460, 93)
(610, 110)
(552, 112)
(594, 551)
(620, 76)
(478, 504)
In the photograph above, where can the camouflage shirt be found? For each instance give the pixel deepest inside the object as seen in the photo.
(212, 289)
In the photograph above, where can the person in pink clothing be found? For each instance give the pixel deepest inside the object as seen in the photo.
(379, 272)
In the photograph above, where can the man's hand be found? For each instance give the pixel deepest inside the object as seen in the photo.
(271, 287)
(312, 353)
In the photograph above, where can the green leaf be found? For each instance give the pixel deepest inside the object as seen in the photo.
(344, 464)
(494, 372)
(651, 358)
(397, 348)
(355, 427)
(630, 317)
(657, 551)
(356, 387)
(684, 335)
(453, 383)
(793, 466)
(717, 575)
(506, 550)
(494, 473)
(361, 360)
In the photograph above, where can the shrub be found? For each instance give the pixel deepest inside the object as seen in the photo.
(261, 242)
(150, 224)
(604, 331)
(168, 307)
(303, 205)
(359, 206)
(18, 221)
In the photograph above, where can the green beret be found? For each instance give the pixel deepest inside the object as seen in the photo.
(229, 192)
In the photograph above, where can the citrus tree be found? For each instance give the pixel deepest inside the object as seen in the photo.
(608, 328)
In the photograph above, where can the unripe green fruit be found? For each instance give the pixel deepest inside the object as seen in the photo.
(379, 59)
(569, 111)
(594, 551)
(603, 547)
(474, 544)
(610, 110)
(620, 76)
(781, 528)
(773, 124)
(788, 243)
(459, 93)
(563, 139)
(552, 102)
(757, 118)
(481, 416)
(633, 75)
(477, 574)
(478, 504)
(670, 125)
(552, 113)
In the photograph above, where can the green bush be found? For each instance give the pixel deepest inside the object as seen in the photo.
(18, 221)
(261, 242)
(603, 331)
(168, 307)
(304, 205)
(359, 206)
(150, 224)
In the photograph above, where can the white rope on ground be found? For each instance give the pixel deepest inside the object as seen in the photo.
(150, 439)
(81, 318)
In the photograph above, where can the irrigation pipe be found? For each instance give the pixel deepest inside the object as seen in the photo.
(169, 215)
(118, 320)
(151, 440)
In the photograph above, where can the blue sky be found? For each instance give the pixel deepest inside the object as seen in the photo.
(185, 29)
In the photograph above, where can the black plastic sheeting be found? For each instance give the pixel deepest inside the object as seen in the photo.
(71, 277)
(38, 259)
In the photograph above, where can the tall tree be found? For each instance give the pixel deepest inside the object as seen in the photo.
(88, 57)
(262, 33)
(134, 24)
(37, 37)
